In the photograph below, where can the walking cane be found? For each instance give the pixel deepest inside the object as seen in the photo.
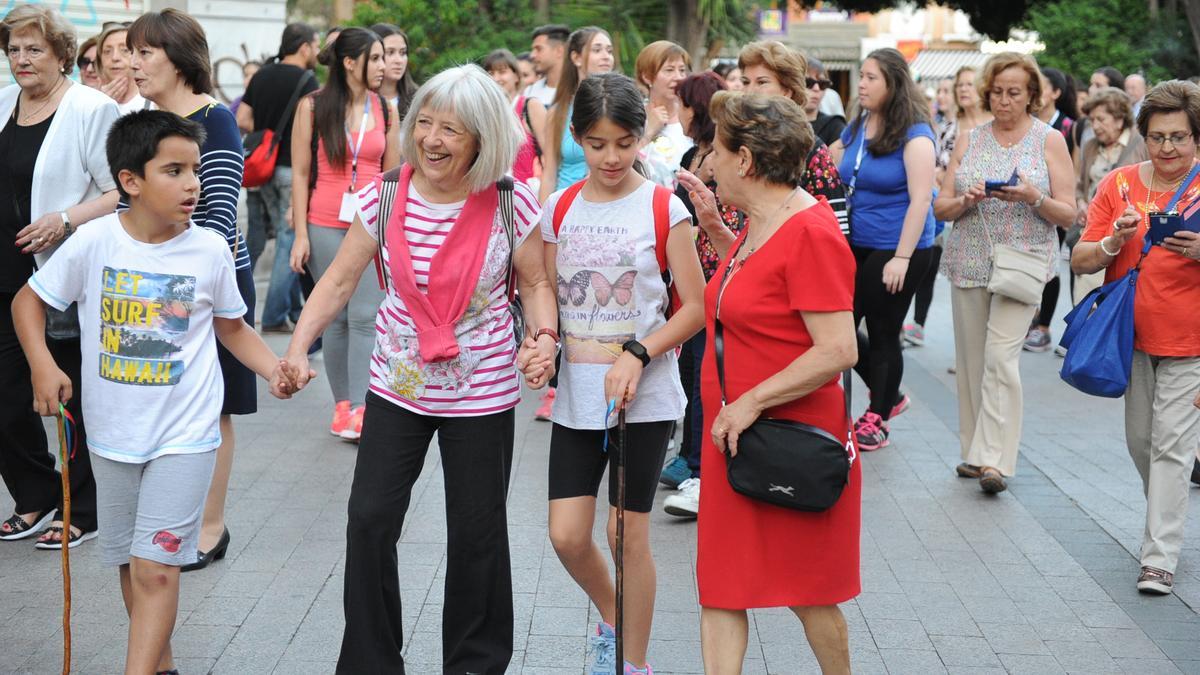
(620, 553)
(66, 452)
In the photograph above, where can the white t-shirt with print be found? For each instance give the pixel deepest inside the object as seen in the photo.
(151, 382)
(482, 379)
(610, 291)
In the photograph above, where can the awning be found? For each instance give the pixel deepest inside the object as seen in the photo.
(937, 64)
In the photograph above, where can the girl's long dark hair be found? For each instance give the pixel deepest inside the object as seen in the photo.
(568, 83)
(406, 88)
(609, 96)
(1066, 103)
(329, 104)
(904, 107)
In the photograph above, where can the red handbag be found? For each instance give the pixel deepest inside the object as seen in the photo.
(261, 148)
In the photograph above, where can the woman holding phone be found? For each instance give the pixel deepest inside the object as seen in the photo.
(1162, 422)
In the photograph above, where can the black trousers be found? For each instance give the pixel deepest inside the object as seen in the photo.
(477, 618)
(26, 463)
(880, 361)
(924, 296)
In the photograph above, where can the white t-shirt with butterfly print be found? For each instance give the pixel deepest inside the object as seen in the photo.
(610, 291)
(482, 379)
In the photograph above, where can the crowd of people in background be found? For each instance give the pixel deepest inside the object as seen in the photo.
(654, 225)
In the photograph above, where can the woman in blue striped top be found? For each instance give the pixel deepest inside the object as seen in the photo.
(171, 66)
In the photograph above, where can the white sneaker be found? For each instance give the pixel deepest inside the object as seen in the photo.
(686, 502)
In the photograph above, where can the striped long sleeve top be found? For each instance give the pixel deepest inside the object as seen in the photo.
(221, 164)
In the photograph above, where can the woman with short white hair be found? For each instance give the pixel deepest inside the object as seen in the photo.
(452, 240)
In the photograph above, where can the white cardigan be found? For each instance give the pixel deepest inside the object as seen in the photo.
(72, 166)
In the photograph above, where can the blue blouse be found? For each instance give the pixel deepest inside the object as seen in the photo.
(880, 198)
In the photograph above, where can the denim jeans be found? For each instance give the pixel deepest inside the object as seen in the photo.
(283, 294)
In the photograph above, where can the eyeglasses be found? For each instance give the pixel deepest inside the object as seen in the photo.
(811, 82)
(1175, 139)
(85, 63)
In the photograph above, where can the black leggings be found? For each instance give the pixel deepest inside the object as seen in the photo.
(924, 297)
(880, 363)
(1050, 292)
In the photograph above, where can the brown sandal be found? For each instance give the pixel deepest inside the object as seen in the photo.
(990, 481)
(965, 470)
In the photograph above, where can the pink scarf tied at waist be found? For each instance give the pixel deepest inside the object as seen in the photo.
(453, 273)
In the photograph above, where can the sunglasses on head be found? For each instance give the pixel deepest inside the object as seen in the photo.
(811, 82)
(110, 25)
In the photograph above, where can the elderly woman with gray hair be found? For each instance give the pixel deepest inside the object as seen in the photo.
(451, 242)
(54, 178)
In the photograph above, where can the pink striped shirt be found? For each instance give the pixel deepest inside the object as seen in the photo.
(482, 379)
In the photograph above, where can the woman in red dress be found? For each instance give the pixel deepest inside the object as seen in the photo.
(785, 307)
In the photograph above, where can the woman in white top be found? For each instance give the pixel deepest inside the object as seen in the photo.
(116, 77)
(56, 176)
(660, 67)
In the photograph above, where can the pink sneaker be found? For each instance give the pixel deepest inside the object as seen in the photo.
(353, 428)
(871, 432)
(547, 405)
(341, 415)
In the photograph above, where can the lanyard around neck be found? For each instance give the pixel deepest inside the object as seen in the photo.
(362, 128)
(862, 149)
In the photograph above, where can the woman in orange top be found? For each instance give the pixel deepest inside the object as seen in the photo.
(1162, 426)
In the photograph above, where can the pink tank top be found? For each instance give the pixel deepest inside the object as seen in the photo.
(325, 202)
(523, 166)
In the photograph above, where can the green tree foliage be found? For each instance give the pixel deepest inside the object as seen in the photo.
(445, 33)
(1083, 35)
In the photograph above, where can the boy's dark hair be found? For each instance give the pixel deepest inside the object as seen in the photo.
(555, 32)
(133, 140)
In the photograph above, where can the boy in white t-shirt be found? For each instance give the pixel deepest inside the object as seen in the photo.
(152, 289)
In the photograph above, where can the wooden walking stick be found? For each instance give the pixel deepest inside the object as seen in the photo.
(66, 452)
(620, 553)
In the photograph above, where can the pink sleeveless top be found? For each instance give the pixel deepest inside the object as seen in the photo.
(325, 202)
(523, 166)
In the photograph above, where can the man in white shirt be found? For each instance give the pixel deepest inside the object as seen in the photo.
(549, 45)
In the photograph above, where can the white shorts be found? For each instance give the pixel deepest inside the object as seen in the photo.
(152, 511)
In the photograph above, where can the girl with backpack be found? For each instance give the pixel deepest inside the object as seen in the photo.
(614, 241)
(342, 137)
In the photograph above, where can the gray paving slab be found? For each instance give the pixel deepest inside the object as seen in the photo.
(1036, 580)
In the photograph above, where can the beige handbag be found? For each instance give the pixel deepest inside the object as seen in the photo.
(1018, 275)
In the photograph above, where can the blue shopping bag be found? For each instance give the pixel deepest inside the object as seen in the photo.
(1099, 339)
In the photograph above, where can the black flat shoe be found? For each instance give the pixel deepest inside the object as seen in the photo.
(205, 557)
(1196, 472)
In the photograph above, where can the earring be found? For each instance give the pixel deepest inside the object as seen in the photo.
(741, 173)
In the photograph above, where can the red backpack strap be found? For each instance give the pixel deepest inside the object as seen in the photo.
(662, 224)
(564, 204)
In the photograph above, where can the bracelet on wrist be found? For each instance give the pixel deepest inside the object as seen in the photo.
(1105, 248)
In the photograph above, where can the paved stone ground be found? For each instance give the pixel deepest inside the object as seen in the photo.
(1035, 580)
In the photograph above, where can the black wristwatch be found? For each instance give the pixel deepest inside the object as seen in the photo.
(637, 349)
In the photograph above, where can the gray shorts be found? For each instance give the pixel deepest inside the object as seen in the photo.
(152, 511)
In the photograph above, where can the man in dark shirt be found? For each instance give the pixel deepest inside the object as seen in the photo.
(263, 106)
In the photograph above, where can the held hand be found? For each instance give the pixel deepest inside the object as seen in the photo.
(894, 273)
(295, 369)
(974, 194)
(1185, 243)
(656, 120)
(703, 200)
(1023, 192)
(1125, 227)
(299, 254)
(42, 234)
(732, 421)
(281, 386)
(536, 361)
(116, 89)
(51, 386)
(621, 381)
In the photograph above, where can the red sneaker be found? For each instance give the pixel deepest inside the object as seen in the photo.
(341, 415)
(547, 405)
(353, 429)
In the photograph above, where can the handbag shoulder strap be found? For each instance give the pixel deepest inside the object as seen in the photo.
(290, 109)
(507, 212)
(388, 185)
(719, 353)
(1187, 182)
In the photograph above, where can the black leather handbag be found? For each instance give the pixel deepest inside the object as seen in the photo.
(781, 462)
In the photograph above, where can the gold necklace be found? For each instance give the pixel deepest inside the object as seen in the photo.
(49, 99)
(1152, 201)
